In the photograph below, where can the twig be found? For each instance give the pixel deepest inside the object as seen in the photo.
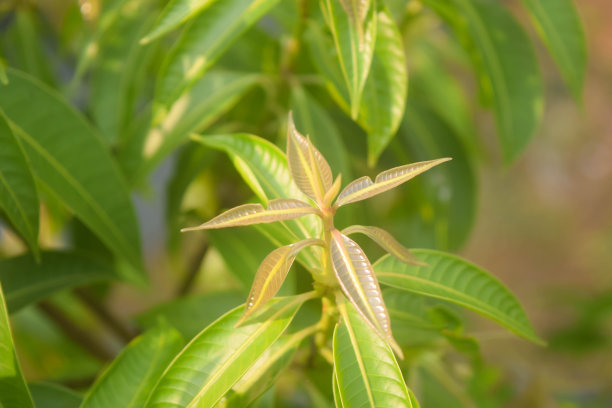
(192, 270)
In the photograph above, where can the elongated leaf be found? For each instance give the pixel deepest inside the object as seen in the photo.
(271, 274)
(308, 167)
(354, 32)
(128, 381)
(18, 196)
(174, 14)
(359, 284)
(14, 392)
(248, 214)
(507, 66)
(337, 397)
(363, 187)
(220, 355)
(62, 149)
(3, 77)
(558, 24)
(203, 42)
(386, 241)
(453, 279)
(367, 373)
(26, 281)
(50, 395)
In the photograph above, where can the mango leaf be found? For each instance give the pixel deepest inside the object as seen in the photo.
(18, 196)
(14, 392)
(363, 187)
(358, 282)
(508, 70)
(271, 275)
(173, 15)
(336, 391)
(309, 169)
(3, 78)
(207, 37)
(451, 278)
(367, 373)
(26, 281)
(221, 354)
(51, 395)
(128, 381)
(354, 31)
(61, 147)
(558, 23)
(386, 242)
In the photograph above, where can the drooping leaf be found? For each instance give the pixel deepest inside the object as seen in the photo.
(18, 196)
(453, 279)
(558, 24)
(174, 14)
(51, 395)
(386, 241)
(26, 281)
(367, 373)
(363, 187)
(271, 275)
(220, 355)
(309, 169)
(358, 282)
(207, 37)
(62, 148)
(128, 381)
(248, 214)
(14, 392)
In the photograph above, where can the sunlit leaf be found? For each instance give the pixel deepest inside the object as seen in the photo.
(363, 187)
(308, 167)
(386, 241)
(366, 371)
(51, 395)
(453, 279)
(174, 14)
(336, 391)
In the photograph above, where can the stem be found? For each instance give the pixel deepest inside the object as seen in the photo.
(192, 270)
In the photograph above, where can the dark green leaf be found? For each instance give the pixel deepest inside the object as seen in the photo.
(50, 395)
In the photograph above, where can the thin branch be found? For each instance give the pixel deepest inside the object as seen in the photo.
(192, 270)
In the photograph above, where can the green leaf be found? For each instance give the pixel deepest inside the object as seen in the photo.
(128, 381)
(3, 78)
(451, 278)
(18, 196)
(221, 354)
(51, 395)
(508, 70)
(14, 392)
(366, 370)
(69, 158)
(558, 24)
(26, 281)
(174, 14)
(203, 42)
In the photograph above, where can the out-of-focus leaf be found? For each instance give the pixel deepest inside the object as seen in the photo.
(453, 279)
(202, 43)
(559, 26)
(366, 370)
(128, 381)
(14, 392)
(386, 241)
(18, 196)
(337, 398)
(174, 14)
(62, 148)
(3, 77)
(221, 354)
(26, 281)
(50, 395)
(507, 67)
(363, 187)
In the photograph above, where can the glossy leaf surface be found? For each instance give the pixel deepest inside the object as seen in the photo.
(367, 373)
(174, 14)
(453, 279)
(386, 241)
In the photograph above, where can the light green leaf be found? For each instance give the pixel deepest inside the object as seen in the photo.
(507, 66)
(49, 395)
(202, 43)
(221, 354)
(62, 148)
(337, 398)
(366, 370)
(14, 392)
(128, 381)
(558, 24)
(453, 279)
(173, 15)
(26, 281)
(18, 196)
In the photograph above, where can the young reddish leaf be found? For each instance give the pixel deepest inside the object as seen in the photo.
(271, 275)
(248, 214)
(308, 167)
(333, 191)
(363, 187)
(386, 241)
(358, 282)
